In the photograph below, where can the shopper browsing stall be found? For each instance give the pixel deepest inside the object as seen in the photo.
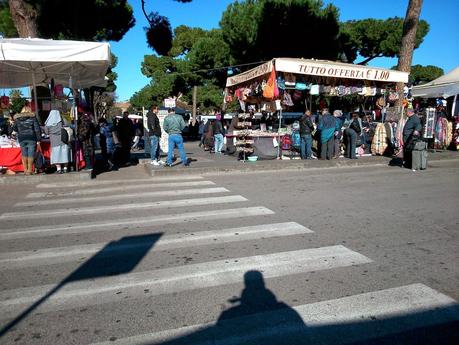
(327, 126)
(60, 151)
(29, 135)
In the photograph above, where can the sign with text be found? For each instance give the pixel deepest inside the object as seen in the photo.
(169, 103)
(251, 74)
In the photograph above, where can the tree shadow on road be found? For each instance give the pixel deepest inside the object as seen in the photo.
(116, 258)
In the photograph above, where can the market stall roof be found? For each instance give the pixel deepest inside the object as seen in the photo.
(85, 62)
(320, 68)
(445, 86)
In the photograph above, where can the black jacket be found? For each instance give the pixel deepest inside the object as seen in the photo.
(412, 124)
(218, 128)
(306, 125)
(154, 128)
(27, 127)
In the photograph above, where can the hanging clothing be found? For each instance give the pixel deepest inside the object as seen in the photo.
(379, 143)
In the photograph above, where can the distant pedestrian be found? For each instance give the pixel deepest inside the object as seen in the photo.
(218, 133)
(106, 142)
(60, 151)
(352, 132)
(411, 133)
(29, 136)
(154, 132)
(306, 129)
(174, 125)
(125, 133)
(327, 127)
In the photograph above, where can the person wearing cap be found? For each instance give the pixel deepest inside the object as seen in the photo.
(29, 135)
(411, 132)
(174, 125)
(338, 133)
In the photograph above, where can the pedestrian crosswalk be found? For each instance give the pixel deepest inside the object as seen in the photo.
(149, 256)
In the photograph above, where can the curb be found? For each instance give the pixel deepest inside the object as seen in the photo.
(84, 175)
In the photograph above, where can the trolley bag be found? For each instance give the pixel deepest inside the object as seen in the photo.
(419, 156)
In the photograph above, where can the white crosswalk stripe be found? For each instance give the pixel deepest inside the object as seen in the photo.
(132, 223)
(67, 254)
(182, 278)
(318, 322)
(108, 182)
(123, 188)
(66, 212)
(105, 198)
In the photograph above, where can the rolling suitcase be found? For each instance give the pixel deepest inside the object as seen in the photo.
(419, 156)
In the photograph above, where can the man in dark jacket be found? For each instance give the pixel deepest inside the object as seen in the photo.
(306, 129)
(411, 132)
(125, 132)
(154, 132)
(29, 135)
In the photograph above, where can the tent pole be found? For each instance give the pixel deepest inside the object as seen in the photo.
(75, 113)
(453, 109)
(278, 135)
(35, 99)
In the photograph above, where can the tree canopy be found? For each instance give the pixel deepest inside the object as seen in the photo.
(7, 28)
(372, 38)
(423, 74)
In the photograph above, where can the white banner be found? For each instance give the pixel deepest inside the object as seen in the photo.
(250, 74)
(169, 103)
(339, 70)
(163, 142)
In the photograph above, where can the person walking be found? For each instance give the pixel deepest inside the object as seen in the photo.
(174, 125)
(306, 129)
(327, 127)
(154, 132)
(218, 134)
(29, 135)
(351, 133)
(125, 133)
(411, 132)
(60, 151)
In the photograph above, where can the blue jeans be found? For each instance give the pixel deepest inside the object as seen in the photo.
(306, 146)
(154, 147)
(176, 140)
(218, 145)
(28, 148)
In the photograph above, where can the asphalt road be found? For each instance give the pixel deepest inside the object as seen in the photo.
(363, 255)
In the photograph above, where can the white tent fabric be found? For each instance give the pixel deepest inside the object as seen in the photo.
(320, 68)
(83, 64)
(445, 86)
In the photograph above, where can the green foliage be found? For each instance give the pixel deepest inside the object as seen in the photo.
(423, 74)
(84, 19)
(372, 38)
(262, 29)
(7, 28)
(17, 101)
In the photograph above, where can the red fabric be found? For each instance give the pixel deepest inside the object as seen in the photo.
(11, 157)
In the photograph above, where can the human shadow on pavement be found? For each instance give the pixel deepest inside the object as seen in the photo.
(116, 258)
(260, 319)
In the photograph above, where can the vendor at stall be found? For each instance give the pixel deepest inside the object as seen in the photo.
(29, 135)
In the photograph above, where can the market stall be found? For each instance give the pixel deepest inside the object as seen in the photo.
(53, 63)
(298, 84)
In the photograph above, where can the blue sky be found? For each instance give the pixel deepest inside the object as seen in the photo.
(440, 47)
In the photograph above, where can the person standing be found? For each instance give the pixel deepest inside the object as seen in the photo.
(218, 134)
(86, 131)
(351, 133)
(174, 125)
(154, 132)
(29, 135)
(60, 151)
(411, 132)
(327, 127)
(306, 129)
(338, 133)
(125, 132)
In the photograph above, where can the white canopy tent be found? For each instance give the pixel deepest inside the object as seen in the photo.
(445, 86)
(70, 63)
(73, 64)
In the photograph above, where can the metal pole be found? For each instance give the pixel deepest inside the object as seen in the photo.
(278, 134)
(75, 112)
(195, 91)
(35, 95)
(453, 109)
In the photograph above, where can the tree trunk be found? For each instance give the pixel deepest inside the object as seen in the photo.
(410, 26)
(24, 17)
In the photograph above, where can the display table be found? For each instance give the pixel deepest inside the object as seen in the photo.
(11, 157)
(262, 143)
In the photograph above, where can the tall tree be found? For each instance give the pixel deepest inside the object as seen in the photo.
(423, 74)
(7, 28)
(84, 19)
(410, 26)
(262, 29)
(373, 38)
(159, 31)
